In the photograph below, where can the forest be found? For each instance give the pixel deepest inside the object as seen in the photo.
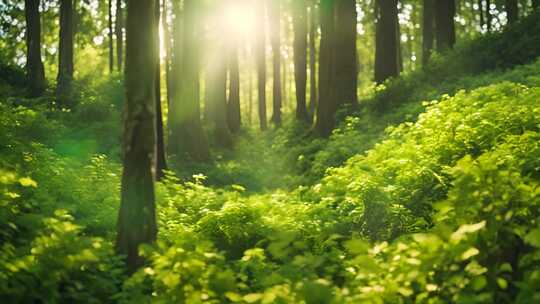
(270, 151)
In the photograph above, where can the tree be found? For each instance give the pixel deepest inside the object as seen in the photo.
(386, 41)
(274, 9)
(119, 29)
(137, 215)
(536, 4)
(35, 72)
(345, 79)
(110, 35)
(217, 100)
(312, 61)
(233, 101)
(260, 47)
(489, 17)
(512, 10)
(300, 57)
(427, 31)
(65, 54)
(326, 110)
(187, 138)
(161, 161)
(445, 11)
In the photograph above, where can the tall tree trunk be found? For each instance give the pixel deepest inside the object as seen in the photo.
(489, 17)
(233, 104)
(217, 99)
(481, 12)
(300, 57)
(260, 53)
(161, 160)
(119, 29)
(386, 41)
(427, 31)
(167, 46)
(326, 111)
(250, 96)
(187, 137)
(512, 10)
(346, 81)
(65, 55)
(137, 215)
(444, 24)
(35, 73)
(274, 17)
(312, 61)
(110, 34)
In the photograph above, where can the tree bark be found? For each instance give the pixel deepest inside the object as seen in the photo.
(346, 81)
(119, 29)
(217, 99)
(300, 58)
(444, 24)
(427, 31)
(110, 34)
(274, 15)
(187, 137)
(137, 215)
(260, 53)
(481, 12)
(386, 41)
(312, 61)
(325, 119)
(512, 11)
(161, 159)
(233, 104)
(35, 73)
(65, 55)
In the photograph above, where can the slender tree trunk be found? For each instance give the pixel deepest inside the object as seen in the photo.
(489, 17)
(35, 73)
(386, 41)
(427, 31)
(65, 55)
(187, 137)
(444, 24)
(274, 15)
(481, 12)
(217, 99)
(233, 104)
(167, 45)
(161, 160)
(119, 29)
(346, 81)
(110, 34)
(312, 61)
(137, 216)
(326, 110)
(260, 50)
(250, 96)
(300, 57)
(512, 11)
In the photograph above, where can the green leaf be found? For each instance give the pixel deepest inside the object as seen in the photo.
(252, 297)
(533, 238)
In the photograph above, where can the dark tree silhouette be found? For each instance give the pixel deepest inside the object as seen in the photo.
(65, 55)
(274, 15)
(300, 57)
(445, 32)
(427, 31)
(260, 47)
(386, 41)
(137, 217)
(35, 72)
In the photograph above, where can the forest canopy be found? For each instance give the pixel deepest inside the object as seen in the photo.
(270, 151)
